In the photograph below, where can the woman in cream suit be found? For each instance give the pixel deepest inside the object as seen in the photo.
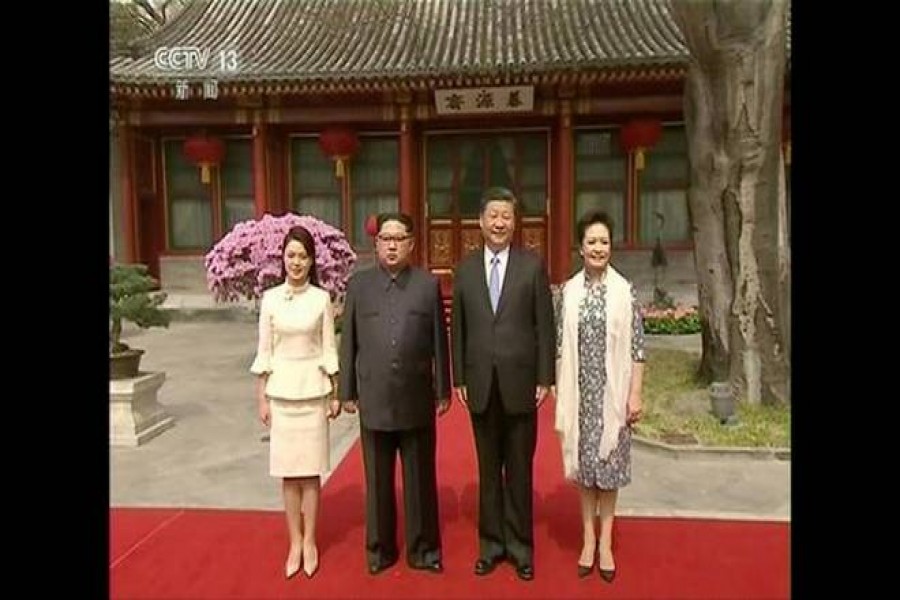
(295, 362)
(599, 373)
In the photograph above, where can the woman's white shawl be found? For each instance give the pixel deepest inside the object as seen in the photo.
(618, 366)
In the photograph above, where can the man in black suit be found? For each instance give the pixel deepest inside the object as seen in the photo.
(395, 368)
(503, 365)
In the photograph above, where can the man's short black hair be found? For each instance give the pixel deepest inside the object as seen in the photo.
(400, 217)
(498, 193)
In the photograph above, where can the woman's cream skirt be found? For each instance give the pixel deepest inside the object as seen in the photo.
(298, 439)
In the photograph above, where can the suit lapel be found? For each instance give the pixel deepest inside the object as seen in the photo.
(508, 280)
(482, 282)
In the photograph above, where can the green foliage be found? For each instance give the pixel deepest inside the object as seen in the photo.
(664, 317)
(672, 324)
(130, 299)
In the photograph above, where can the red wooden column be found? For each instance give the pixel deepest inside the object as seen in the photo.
(260, 176)
(633, 198)
(561, 208)
(409, 202)
(129, 207)
(278, 147)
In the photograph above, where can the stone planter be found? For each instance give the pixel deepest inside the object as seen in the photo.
(723, 405)
(126, 364)
(135, 416)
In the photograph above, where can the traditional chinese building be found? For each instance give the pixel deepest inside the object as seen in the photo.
(239, 108)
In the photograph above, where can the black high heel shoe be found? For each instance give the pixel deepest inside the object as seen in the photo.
(584, 571)
(606, 575)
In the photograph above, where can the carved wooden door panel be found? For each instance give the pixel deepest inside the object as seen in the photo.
(458, 168)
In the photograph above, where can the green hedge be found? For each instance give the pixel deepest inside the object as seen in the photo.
(666, 325)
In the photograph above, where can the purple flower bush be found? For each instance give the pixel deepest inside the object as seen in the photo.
(247, 260)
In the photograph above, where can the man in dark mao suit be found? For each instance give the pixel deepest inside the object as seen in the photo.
(394, 366)
(503, 366)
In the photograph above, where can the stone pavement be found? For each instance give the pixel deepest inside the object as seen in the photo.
(216, 455)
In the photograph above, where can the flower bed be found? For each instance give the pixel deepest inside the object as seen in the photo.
(680, 320)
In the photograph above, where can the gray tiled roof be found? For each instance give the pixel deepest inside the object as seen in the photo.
(309, 41)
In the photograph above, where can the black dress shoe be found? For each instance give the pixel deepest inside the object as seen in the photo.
(584, 571)
(483, 566)
(432, 567)
(525, 572)
(379, 567)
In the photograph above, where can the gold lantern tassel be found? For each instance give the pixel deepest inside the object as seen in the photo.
(204, 172)
(639, 159)
(339, 167)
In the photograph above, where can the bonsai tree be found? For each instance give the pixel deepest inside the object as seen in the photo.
(130, 299)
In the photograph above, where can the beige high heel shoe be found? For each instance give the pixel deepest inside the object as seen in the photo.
(292, 567)
(310, 562)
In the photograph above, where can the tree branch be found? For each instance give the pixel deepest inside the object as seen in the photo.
(149, 11)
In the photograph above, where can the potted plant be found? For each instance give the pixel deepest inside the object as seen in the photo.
(130, 299)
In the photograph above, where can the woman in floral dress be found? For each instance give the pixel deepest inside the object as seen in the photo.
(600, 359)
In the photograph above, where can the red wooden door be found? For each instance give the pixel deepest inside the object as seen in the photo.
(150, 226)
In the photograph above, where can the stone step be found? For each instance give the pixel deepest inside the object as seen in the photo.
(203, 307)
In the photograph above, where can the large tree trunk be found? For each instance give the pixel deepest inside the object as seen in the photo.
(733, 112)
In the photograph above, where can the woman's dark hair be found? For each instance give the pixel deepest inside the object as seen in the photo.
(303, 236)
(593, 217)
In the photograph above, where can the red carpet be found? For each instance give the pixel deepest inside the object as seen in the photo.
(240, 554)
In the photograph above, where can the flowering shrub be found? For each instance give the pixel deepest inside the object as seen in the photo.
(248, 259)
(679, 320)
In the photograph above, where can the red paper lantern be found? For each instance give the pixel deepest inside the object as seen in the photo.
(372, 226)
(339, 144)
(205, 152)
(639, 135)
